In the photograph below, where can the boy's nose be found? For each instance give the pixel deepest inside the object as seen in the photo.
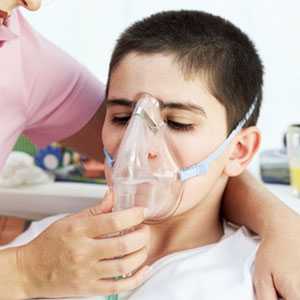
(152, 155)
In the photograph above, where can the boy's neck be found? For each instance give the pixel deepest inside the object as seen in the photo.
(197, 227)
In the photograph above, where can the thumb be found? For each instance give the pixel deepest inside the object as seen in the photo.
(105, 206)
(107, 203)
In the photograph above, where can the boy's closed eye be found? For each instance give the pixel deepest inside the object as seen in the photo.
(173, 123)
(180, 116)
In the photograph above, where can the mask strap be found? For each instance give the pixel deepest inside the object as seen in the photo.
(109, 159)
(202, 167)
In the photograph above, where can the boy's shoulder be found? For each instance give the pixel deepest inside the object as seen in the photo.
(218, 271)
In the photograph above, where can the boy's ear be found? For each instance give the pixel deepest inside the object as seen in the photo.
(244, 147)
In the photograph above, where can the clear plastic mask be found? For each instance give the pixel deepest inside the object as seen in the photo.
(145, 172)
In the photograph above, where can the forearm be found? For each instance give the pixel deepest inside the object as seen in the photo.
(11, 280)
(247, 202)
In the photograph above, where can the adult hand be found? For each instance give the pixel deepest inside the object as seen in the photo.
(75, 257)
(277, 266)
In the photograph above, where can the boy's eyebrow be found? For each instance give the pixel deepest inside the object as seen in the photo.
(186, 106)
(171, 105)
(119, 101)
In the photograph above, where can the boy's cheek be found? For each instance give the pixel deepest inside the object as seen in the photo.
(194, 191)
(112, 137)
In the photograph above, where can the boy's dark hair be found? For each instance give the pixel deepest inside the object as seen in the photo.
(202, 44)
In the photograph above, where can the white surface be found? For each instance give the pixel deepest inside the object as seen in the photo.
(36, 202)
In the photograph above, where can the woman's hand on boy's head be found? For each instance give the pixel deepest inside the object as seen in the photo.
(277, 266)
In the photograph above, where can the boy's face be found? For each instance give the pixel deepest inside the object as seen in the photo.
(197, 127)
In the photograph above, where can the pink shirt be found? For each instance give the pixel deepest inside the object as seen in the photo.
(44, 93)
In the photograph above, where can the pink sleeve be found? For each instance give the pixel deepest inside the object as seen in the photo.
(45, 93)
(70, 111)
(62, 95)
(12, 122)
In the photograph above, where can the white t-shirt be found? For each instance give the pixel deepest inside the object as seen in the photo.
(220, 271)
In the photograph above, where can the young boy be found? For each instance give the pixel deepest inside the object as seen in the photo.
(208, 76)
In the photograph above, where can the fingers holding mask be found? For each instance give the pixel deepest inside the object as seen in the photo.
(118, 246)
(119, 254)
(114, 268)
(99, 221)
(104, 206)
(112, 223)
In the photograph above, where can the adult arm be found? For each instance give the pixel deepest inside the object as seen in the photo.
(277, 268)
